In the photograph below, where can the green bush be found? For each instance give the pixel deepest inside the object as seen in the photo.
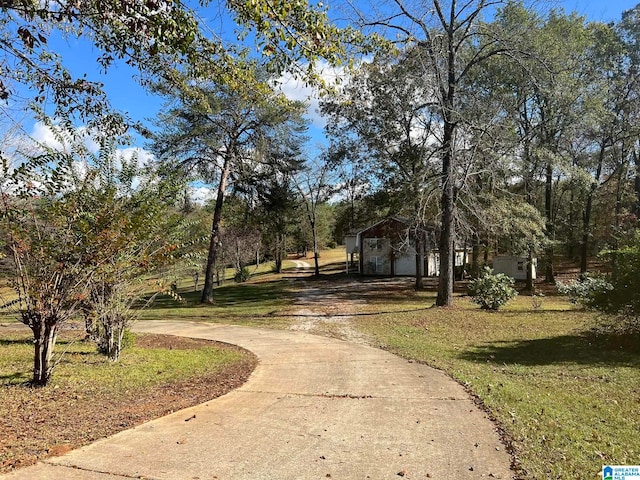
(618, 331)
(590, 291)
(491, 291)
(616, 295)
(242, 275)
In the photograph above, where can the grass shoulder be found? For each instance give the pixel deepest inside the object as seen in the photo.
(566, 405)
(90, 397)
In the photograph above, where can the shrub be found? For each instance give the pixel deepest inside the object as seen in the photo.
(616, 295)
(619, 331)
(590, 291)
(242, 275)
(491, 291)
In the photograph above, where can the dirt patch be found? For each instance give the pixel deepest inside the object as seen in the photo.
(326, 310)
(49, 422)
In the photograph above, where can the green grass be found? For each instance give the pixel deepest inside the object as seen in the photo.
(79, 364)
(265, 300)
(254, 304)
(568, 406)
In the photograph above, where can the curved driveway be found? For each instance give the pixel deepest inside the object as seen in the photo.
(314, 408)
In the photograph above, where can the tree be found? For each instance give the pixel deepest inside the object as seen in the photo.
(387, 110)
(216, 133)
(81, 228)
(46, 266)
(151, 35)
(552, 98)
(315, 187)
(278, 213)
(450, 41)
(126, 229)
(271, 186)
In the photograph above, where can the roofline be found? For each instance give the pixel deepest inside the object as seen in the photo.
(390, 217)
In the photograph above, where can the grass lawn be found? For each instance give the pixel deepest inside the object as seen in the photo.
(264, 301)
(90, 397)
(568, 406)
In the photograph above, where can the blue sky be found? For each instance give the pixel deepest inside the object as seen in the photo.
(126, 94)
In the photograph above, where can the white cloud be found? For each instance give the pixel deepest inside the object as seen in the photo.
(56, 138)
(143, 157)
(44, 135)
(201, 195)
(295, 89)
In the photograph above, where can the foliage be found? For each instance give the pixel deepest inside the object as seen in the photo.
(616, 295)
(588, 291)
(242, 275)
(47, 271)
(137, 32)
(492, 291)
(151, 35)
(624, 298)
(245, 132)
(518, 225)
(82, 227)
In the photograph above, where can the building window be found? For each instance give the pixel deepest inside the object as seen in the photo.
(374, 243)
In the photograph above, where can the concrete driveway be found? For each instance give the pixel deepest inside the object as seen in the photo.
(314, 408)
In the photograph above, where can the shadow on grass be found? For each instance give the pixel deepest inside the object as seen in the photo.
(5, 342)
(16, 379)
(231, 294)
(572, 349)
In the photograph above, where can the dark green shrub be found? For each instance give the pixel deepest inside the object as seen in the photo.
(616, 295)
(590, 291)
(491, 291)
(242, 275)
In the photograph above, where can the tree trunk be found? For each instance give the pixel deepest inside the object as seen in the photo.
(586, 233)
(316, 253)
(586, 217)
(419, 261)
(530, 286)
(548, 191)
(447, 231)
(278, 252)
(207, 290)
(112, 340)
(636, 184)
(447, 201)
(571, 244)
(45, 332)
(475, 257)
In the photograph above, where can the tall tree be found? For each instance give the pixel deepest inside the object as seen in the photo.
(315, 186)
(386, 109)
(215, 133)
(450, 41)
